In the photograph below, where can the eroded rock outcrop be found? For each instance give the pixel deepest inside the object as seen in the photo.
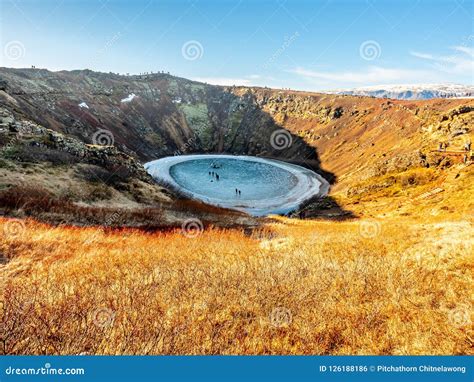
(165, 116)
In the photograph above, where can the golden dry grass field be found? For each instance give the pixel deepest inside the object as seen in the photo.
(397, 285)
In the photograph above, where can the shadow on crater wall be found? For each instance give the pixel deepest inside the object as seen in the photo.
(258, 134)
(168, 116)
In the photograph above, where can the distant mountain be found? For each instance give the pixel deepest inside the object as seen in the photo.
(412, 92)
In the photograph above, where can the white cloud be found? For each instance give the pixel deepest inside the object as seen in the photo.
(442, 68)
(465, 49)
(250, 80)
(460, 62)
(224, 81)
(371, 75)
(425, 56)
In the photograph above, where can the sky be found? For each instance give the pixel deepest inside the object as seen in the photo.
(304, 45)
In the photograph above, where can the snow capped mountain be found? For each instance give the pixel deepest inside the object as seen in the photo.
(411, 92)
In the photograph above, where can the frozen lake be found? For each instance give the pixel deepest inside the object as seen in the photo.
(266, 186)
(255, 180)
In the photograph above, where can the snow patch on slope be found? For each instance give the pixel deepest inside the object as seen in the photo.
(129, 98)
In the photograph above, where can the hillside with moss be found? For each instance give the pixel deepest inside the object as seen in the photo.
(376, 152)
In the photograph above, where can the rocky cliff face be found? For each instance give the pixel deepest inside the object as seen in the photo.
(21, 137)
(148, 116)
(359, 137)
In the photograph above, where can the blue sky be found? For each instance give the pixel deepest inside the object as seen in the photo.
(308, 45)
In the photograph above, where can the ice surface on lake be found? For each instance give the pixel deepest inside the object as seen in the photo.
(267, 186)
(255, 180)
